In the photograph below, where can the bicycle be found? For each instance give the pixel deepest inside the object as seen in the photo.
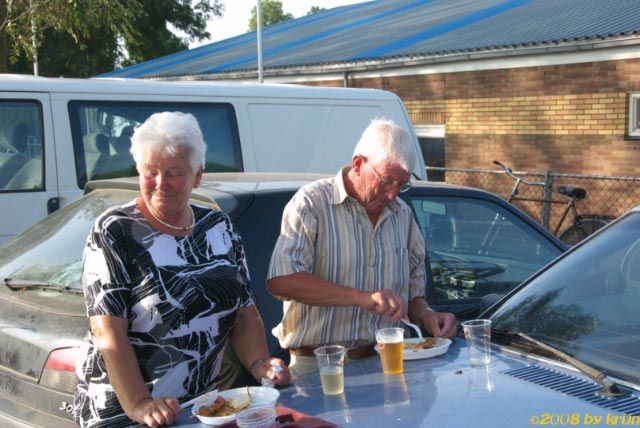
(583, 224)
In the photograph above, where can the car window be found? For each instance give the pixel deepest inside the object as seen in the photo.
(587, 303)
(101, 134)
(21, 146)
(51, 251)
(476, 247)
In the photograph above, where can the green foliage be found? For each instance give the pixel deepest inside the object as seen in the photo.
(315, 9)
(272, 13)
(75, 18)
(87, 37)
(154, 39)
(59, 55)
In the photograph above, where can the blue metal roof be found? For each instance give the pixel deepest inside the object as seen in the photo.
(387, 29)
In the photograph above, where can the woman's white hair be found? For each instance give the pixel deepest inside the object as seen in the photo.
(169, 131)
(384, 141)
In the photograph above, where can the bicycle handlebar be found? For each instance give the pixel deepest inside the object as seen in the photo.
(510, 173)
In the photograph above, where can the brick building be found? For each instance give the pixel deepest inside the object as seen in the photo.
(538, 84)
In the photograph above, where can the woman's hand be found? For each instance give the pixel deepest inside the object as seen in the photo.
(249, 343)
(156, 412)
(273, 369)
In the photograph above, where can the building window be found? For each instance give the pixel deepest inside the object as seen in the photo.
(431, 138)
(634, 114)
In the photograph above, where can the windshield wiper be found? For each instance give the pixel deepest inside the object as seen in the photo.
(609, 387)
(24, 284)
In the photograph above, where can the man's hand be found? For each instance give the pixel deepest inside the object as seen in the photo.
(440, 324)
(384, 302)
(156, 412)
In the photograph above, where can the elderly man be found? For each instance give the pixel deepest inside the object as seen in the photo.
(350, 255)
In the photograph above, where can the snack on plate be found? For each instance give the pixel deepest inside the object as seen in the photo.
(425, 344)
(222, 407)
(217, 404)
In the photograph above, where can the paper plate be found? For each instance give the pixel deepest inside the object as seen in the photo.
(440, 347)
(260, 396)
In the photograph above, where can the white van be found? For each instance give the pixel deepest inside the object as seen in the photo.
(56, 134)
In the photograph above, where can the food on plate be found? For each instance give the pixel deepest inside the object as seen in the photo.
(425, 344)
(222, 407)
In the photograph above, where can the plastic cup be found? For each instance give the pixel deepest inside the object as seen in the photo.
(478, 335)
(257, 417)
(391, 348)
(330, 361)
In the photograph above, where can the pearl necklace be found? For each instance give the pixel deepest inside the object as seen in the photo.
(171, 226)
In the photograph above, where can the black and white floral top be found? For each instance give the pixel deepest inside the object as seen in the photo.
(180, 296)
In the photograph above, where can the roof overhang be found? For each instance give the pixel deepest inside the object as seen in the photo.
(549, 53)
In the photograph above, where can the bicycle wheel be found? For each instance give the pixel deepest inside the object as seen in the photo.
(580, 229)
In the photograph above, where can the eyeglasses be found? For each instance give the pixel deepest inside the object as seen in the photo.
(388, 182)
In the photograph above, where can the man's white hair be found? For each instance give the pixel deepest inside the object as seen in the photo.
(384, 141)
(169, 132)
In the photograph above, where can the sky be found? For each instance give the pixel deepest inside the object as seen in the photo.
(236, 16)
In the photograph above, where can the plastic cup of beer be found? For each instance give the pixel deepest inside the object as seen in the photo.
(330, 361)
(478, 335)
(391, 347)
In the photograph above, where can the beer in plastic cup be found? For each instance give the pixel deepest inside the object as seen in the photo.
(478, 335)
(391, 347)
(330, 361)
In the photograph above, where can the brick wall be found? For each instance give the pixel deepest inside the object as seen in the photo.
(568, 118)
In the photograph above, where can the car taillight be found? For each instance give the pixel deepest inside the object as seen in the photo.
(59, 370)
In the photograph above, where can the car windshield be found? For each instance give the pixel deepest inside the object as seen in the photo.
(586, 304)
(476, 247)
(51, 251)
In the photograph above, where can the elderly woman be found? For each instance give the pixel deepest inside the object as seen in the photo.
(166, 285)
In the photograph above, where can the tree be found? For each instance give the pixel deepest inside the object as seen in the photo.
(88, 37)
(272, 13)
(59, 55)
(315, 9)
(156, 39)
(20, 20)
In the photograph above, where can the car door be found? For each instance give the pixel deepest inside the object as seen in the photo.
(475, 247)
(28, 175)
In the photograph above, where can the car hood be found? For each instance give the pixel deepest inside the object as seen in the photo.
(445, 391)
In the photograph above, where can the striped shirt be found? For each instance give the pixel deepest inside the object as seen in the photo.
(328, 233)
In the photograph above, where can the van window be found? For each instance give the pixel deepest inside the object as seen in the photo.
(21, 146)
(101, 132)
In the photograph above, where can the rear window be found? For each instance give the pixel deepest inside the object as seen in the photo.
(51, 251)
(101, 132)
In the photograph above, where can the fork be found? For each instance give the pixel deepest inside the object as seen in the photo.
(202, 398)
(413, 326)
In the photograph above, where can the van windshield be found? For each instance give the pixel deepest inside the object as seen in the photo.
(102, 130)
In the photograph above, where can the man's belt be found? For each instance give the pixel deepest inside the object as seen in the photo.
(354, 353)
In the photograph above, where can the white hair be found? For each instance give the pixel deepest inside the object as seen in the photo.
(384, 141)
(169, 132)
